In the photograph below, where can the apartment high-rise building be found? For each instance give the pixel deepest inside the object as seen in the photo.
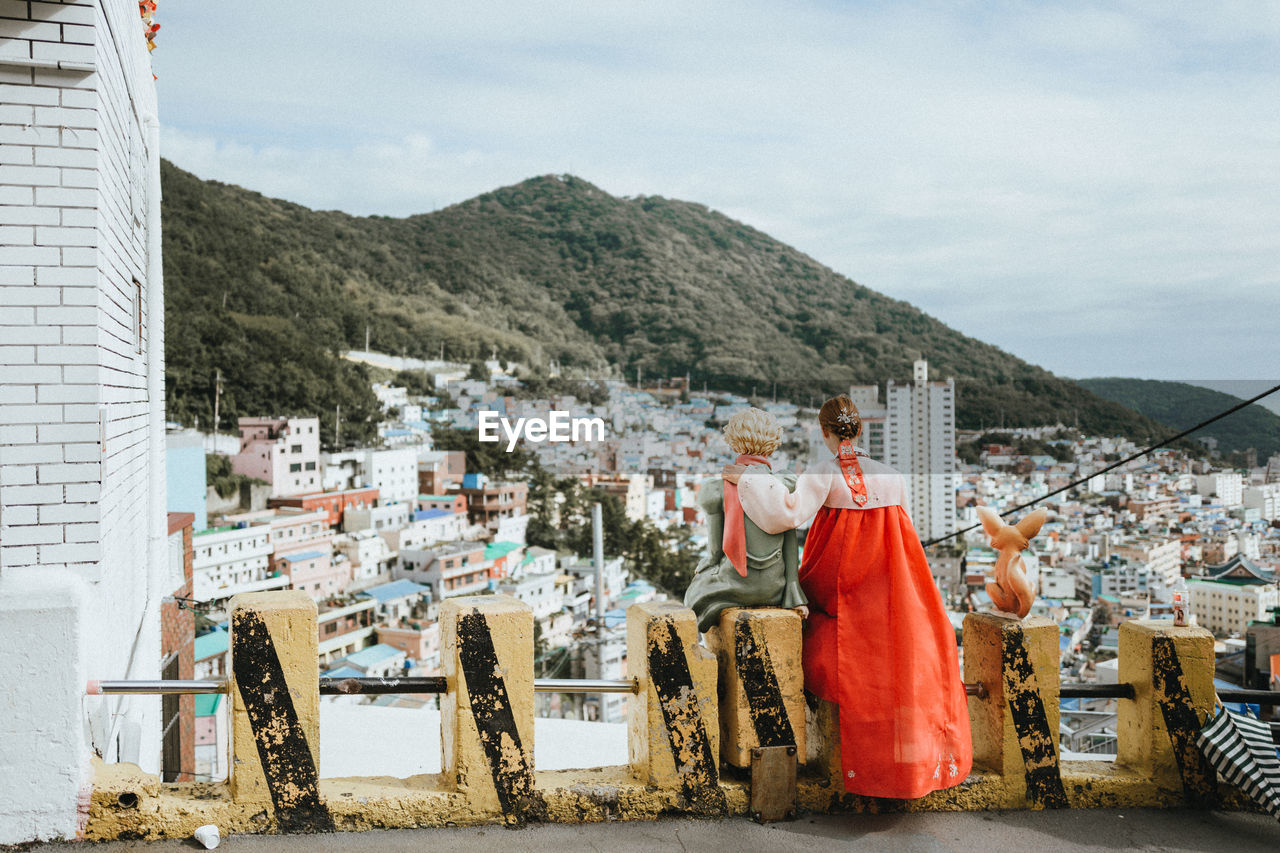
(920, 442)
(874, 419)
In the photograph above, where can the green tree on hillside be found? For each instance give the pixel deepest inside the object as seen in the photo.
(550, 270)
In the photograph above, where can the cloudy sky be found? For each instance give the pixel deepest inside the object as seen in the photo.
(1094, 188)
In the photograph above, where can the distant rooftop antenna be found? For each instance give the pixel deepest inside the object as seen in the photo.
(597, 542)
(217, 397)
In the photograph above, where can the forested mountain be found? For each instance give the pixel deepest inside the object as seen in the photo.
(549, 269)
(1179, 405)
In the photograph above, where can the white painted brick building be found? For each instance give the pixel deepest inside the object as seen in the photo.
(82, 521)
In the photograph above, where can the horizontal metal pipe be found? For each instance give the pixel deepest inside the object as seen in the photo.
(1078, 690)
(1069, 690)
(584, 685)
(1253, 697)
(363, 686)
(95, 688)
(437, 684)
(377, 686)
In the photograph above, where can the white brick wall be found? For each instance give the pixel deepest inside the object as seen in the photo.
(76, 425)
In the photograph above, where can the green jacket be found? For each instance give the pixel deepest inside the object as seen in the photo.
(772, 563)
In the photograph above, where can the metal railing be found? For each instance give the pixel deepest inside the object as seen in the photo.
(361, 686)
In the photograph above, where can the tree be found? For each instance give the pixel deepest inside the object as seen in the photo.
(489, 458)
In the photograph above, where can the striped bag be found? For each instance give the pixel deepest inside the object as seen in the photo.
(1241, 749)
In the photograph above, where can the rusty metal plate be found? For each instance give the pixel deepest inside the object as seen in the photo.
(773, 783)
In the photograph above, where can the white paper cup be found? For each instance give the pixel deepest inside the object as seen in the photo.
(207, 835)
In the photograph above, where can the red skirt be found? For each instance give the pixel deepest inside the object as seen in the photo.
(878, 643)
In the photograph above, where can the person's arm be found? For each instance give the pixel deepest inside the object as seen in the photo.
(792, 595)
(767, 502)
(711, 500)
(715, 539)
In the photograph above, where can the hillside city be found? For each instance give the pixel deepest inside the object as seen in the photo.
(258, 580)
(380, 535)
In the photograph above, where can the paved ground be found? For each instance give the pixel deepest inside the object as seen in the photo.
(931, 832)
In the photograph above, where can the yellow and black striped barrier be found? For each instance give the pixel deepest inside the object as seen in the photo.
(1015, 727)
(275, 709)
(761, 681)
(674, 732)
(1171, 669)
(487, 714)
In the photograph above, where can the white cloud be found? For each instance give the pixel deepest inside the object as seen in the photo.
(1110, 170)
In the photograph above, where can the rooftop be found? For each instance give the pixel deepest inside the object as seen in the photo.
(372, 655)
(449, 549)
(215, 642)
(304, 555)
(496, 550)
(395, 589)
(1238, 570)
(342, 672)
(207, 704)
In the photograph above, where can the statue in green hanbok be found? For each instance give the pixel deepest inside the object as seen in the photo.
(744, 566)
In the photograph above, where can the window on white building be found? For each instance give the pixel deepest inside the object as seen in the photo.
(137, 313)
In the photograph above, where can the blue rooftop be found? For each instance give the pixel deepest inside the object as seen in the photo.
(208, 645)
(372, 655)
(305, 555)
(342, 672)
(1238, 707)
(427, 514)
(395, 589)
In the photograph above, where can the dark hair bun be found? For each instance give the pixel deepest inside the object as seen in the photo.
(839, 417)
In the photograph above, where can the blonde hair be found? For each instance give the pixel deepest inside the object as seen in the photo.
(753, 431)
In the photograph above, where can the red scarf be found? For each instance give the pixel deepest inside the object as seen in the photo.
(735, 532)
(848, 459)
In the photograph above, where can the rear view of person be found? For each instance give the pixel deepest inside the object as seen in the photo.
(877, 642)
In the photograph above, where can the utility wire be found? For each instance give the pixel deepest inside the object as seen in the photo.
(1114, 465)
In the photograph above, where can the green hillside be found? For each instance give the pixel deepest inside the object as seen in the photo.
(549, 269)
(1180, 406)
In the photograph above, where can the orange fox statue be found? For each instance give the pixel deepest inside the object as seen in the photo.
(1009, 587)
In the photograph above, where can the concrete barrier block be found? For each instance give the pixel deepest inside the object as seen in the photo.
(1015, 728)
(487, 715)
(674, 733)
(275, 708)
(1171, 669)
(822, 741)
(761, 681)
(44, 754)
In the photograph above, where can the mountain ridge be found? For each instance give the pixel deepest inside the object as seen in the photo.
(1180, 405)
(550, 269)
